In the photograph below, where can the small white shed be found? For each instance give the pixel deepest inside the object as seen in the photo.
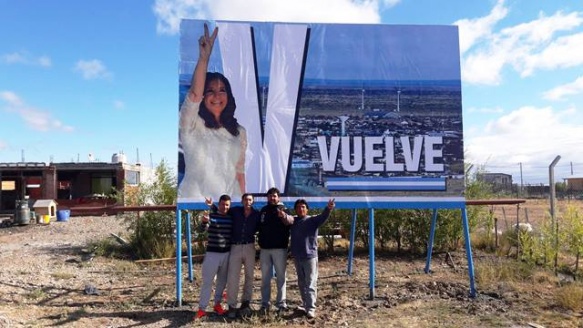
(45, 207)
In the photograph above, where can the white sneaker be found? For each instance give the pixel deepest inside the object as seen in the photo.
(311, 314)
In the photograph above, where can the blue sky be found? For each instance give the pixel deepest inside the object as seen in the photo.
(100, 77)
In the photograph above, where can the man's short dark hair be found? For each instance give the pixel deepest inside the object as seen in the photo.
(301, 201)
(225, 198)
(273, 190)
(245, 196)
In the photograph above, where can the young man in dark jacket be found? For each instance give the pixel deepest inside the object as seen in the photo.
(273, 241)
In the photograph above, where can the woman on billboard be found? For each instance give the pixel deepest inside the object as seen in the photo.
(213, 142)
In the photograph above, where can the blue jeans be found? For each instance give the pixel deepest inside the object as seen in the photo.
(269, 259)
(307, 271)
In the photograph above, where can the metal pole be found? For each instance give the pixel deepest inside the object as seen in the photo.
(351, 249)
(371, 262)
(189, 246)
(521, 183)
(430, 245)
(178, 257)
(552, 200)
(469, 252)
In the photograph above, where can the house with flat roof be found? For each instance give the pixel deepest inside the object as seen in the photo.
(69, 184)
(500, 182)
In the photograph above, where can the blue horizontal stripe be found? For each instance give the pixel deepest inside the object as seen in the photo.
(386, 184)
(386, 188)
(358, 202)
(396, 179)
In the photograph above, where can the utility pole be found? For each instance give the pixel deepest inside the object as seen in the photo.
(552, 199)
(521, 184)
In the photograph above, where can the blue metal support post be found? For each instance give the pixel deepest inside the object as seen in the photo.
(431, 238)
(469, 252)
(371, 260)
(189, 246)
(351, 249)
(178, 257)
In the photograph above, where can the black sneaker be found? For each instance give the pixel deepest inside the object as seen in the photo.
(264, 311)
(245, 305)
(232, 313)
(282, 308)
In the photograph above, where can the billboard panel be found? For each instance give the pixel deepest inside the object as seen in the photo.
(361, 113)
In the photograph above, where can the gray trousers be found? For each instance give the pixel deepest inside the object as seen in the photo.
(307, 271)
(214, 264)
(273, 259)
(240, 255)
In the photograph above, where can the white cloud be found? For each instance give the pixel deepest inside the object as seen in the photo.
(25, 58)
(3, 145)
(528, 135)
(118, 104)
(11, 98)
(34, 118)
(564, 52)
(526, 47)
(472, 30)
(170, 12)
(562, 91)
(92, 69)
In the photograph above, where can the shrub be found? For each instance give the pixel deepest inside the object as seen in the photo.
(152, 233)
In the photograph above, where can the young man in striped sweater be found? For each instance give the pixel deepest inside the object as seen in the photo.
(216, 259)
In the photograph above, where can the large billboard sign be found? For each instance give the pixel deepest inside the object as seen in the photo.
(360, 113)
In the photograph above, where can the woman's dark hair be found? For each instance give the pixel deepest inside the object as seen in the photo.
(227, 117)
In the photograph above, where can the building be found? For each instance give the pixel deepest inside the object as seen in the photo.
(69, 184)
(500, 182)
(574, 185)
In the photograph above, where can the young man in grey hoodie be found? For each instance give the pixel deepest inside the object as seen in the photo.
(304, 248)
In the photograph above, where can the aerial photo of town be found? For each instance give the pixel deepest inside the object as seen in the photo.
(390, 110)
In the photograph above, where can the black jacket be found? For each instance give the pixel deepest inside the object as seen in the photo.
(272, 232)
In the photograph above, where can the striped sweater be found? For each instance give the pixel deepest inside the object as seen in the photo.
(219, 232)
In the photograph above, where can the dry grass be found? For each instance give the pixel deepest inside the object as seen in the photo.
(570, 297)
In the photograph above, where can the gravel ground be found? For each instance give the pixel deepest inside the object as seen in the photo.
(48, 278)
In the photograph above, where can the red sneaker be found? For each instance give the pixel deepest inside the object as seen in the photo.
(219, 309)
(199, 314)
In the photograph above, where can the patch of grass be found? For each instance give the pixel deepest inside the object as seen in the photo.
(510, 271)
(37, 294)
(62, 275)
(544, 277)
(125, 266)
(109, 248)
(483, 241)
(570, 297)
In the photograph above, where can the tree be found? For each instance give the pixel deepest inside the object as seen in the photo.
(152, 233)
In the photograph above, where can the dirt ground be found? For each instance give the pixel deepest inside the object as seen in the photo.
(49, 277)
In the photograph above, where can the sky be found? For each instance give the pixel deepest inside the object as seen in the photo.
(83, 80)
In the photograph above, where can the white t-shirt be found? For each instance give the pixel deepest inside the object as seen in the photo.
(212, 157)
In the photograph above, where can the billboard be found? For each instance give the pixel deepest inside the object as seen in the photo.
(361, 113)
